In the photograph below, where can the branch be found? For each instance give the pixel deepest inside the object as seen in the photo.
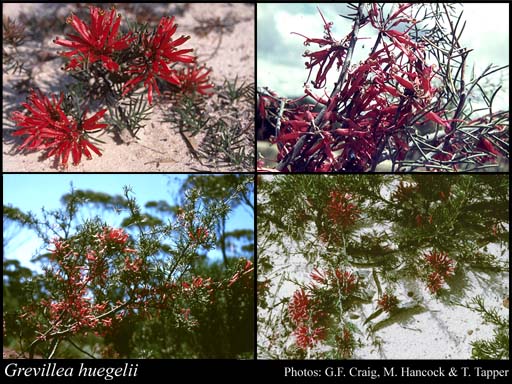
(68, 330)
(80, 349)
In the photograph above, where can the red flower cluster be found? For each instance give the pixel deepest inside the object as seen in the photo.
(388, 302)
(199, 236)
(307, 337)
(345, 343)
(62, 249)
(77, 309)
(404, 192)
(441, 263)
(443, 266)
(334, 52)
(346, 281)
(97, 41)
(113, 235)
(73, 310)
(134, 266)
(306, 332)
(159, 51)
(49, 128)
(340, 211)
(434, 282)
(114, 239)
(298, 307)
(144, 57)
(318, 276)
(138, 57)
(245, 268)
(193, 79)
(199, 286)
(381, 96)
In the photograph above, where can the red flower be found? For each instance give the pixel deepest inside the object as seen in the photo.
(107, 322)
(318, 276)
(43, 114)
(434, 282)
(387, 302)
(346, 281)
(298, 308)
(97, 41)
(48, 127)
(340, 211)
(199, 236)
(441, 263)
(62, 249)
(248, 265)
(369, 113)
(324, 58)
(307, 338)
(443, 266)
(485, 145)
(91, 256)
(234, 279)
(197, 282)
(134, 266)
(192, 80)
(114, 235)
(159, 52)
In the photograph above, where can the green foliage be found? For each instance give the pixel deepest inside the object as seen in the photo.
(17, 215)
(234, 91)
(13, 36)
(498, 347)
(240, 188)
(130, 114)
(225, 120)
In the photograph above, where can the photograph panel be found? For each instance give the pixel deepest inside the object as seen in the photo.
(383, 267)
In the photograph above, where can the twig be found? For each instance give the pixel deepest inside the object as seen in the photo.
(279, 116)
(80, 349)
(346, 64)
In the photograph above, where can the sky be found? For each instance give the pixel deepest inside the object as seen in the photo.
(280, 64)
(30, 192)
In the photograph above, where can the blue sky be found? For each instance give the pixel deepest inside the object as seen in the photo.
(280, 61)
(30, 192)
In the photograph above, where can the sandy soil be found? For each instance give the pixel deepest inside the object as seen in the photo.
(159, 148)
